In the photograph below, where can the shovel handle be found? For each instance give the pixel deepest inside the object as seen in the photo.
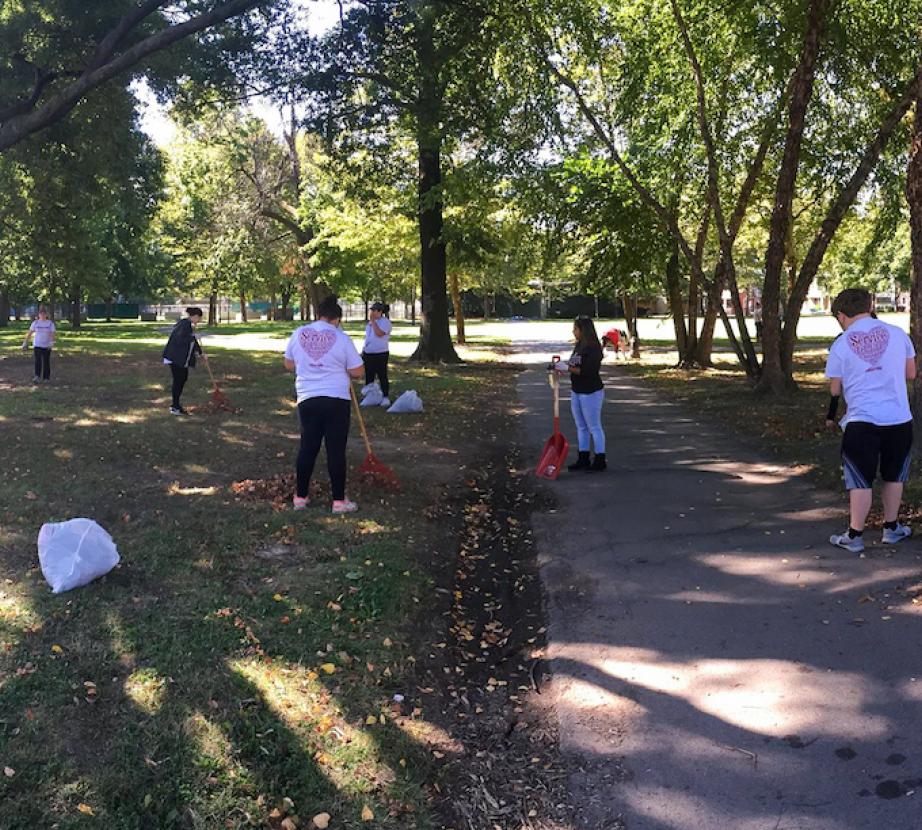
(556, 387)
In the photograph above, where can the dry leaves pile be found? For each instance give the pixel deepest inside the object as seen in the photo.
(501, 766)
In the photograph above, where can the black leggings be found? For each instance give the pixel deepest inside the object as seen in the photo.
(376, 366)
(180, 376)
(323, 420)
(42, 362)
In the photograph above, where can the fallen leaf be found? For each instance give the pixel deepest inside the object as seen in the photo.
(367, 814)
(329, 668)
(285, 620)
(85, 809)
(388, 642)
(9, 772)
(278, 597)
(371, 720)
(289, 824)
(321, 821)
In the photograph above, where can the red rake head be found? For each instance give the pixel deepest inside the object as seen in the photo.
(220, 401)
(374, 472)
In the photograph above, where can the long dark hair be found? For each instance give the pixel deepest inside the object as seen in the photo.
(587, 334)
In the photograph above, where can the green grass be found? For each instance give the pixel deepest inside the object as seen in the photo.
(204, 681)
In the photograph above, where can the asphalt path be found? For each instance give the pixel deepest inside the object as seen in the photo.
(716, 664)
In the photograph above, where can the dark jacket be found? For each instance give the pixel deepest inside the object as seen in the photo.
(182, 347)
(590, 361)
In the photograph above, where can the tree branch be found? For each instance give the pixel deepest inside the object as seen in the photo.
(15, 129)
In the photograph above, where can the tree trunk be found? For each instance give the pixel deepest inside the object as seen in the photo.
(109, 308)
(435, 344)
(630, 317)
(213, 309)
(459, 312)
(705, 350)
(4, 308)
(52, 299)
(75, 297)
(677, 307)
(914, 198)
(243, 307)
(17, 312)
(774, 380)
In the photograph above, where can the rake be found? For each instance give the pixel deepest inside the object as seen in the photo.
(219, 400)
(372, 470)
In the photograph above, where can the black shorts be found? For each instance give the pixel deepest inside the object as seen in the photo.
(865, 447)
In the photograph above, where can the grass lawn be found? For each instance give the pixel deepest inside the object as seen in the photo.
(239, 667)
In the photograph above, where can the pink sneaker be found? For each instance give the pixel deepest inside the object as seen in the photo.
(299, 504)
(344, 506)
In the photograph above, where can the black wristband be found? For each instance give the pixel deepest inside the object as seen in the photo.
(833, 407)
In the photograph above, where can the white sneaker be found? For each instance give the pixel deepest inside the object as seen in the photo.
(344, 506)
(900, 532)
(385, 402)
(845, 541)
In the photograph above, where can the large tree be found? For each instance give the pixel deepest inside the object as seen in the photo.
(417, 68)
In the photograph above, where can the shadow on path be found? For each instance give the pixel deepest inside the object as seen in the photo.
(716, 664)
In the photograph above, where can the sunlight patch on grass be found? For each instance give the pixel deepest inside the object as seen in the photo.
(210, 740)
(146, 689)
(347, 755)
(175, 490)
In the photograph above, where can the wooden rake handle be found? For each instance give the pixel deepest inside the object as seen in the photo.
(358, 415)
(207, 364)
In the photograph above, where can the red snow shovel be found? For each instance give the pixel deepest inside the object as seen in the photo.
(556, 447)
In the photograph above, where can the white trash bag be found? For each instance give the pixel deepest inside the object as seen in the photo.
(74, 553)
(409, 401)
(372, 395)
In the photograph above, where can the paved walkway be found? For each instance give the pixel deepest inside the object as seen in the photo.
(717, 665)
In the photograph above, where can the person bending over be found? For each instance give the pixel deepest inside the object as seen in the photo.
(869, 364)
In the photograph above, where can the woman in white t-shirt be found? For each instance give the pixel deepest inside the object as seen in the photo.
(44, 332)
(376, 351)
(324, 360)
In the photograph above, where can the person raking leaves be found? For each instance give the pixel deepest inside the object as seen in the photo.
(179, 354)
(324, 360)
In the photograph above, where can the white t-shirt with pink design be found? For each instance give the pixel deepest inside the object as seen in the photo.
(322, 354)
(870, 358)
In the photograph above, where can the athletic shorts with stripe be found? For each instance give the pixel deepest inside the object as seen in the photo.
(867, 447)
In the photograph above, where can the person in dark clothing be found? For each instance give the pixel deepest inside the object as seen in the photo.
(587, 396)
(179, 354)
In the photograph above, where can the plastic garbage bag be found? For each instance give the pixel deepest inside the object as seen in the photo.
(74, 553)
(409, 401)
(372, 395)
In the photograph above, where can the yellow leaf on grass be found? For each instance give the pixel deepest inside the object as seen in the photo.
(278, 597)
(367, 814)
(56, 649)
(321, 821)
(388, 642)
(85, 809)
(329, 668)
(312, 675)
(371, 720)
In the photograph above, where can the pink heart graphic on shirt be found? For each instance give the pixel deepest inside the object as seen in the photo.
(871, 345)
(317, 343)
